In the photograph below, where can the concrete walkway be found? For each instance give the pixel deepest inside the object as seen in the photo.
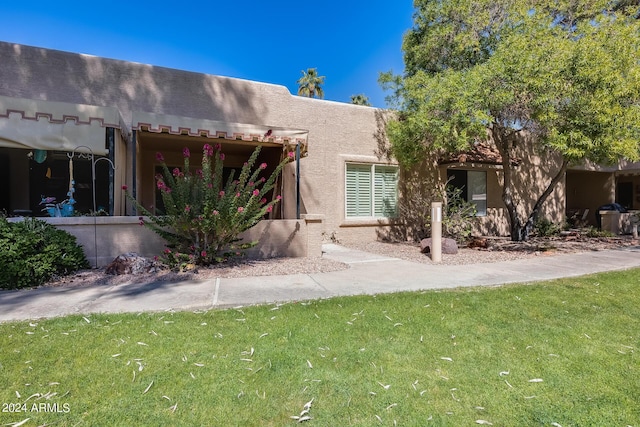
(368, 274)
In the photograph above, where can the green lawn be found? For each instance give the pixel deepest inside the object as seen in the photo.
(556, 353)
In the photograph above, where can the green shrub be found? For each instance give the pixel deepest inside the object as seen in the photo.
(593, 232)
(204, 215)
(545, 228)
(459, 215)
(33, 252)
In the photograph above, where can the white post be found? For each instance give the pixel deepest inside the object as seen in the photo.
(436, 231)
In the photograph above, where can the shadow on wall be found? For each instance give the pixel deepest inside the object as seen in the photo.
(423, 184)
(418, 187)
(277, 238)
(495, 223)
(52, 75)
(380, 135)
(532, 177)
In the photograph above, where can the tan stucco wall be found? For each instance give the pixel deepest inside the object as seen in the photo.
(334, 128)
(535, 169)
(104, 238)
(533, 174)
(531, 177)
(337, 132)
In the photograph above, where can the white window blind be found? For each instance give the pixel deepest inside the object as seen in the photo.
(385, 190)
(358, 192)
(371, 190)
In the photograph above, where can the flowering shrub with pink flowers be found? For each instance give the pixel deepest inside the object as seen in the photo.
(205, 215)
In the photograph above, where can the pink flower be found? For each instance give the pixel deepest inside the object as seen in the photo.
(218, 147)
(167, 251)
(291, 155)
(199, 173)
(161, 185)
(263, 165)
(124, 187)
(240, 209)
(208, 150)
(203, 254)
(221, 156)
(255, 192)
(176, 172)
(237, 194)
(263, 200)
(245, 164)
(221, 193)
(215, 212)
(251, 183)
(159, 157)
(187, 209)
(186, 153)
(278, 197)
(269, 208)
(263, 179)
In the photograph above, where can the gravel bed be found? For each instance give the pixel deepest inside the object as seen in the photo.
(498, 250)
(411, 252)
(233, 269)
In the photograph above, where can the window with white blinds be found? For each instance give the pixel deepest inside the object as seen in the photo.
(371, 191)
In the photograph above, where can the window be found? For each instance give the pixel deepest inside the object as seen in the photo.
(473, 185)
(371, 191)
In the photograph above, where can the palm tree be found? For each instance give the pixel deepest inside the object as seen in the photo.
(309, 84)
(360, 99)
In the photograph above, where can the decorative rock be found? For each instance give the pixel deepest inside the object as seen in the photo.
(130, 263)
(449, 246)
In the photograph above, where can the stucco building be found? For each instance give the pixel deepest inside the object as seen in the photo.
(61, 113)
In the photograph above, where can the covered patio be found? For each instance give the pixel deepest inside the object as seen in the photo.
(53, 151)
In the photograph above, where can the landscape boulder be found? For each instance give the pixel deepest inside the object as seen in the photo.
(449, 246)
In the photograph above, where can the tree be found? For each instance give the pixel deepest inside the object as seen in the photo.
(565, 75)
(309, 84)
(360, 99)
(203, 215)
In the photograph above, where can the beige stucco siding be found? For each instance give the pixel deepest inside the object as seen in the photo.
(335, 129)
(337, 133)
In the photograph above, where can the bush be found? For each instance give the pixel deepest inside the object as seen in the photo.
(545, 228)
(593, 232)
(204, 216)
(458, 216)
(33, 252)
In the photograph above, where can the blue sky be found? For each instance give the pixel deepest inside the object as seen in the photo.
(348, 41)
